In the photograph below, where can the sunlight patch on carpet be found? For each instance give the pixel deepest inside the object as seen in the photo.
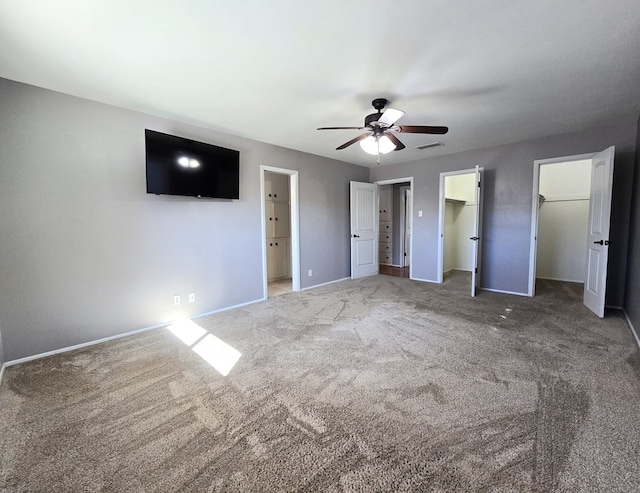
(220, 355)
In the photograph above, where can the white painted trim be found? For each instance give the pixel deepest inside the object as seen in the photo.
(80, 346)
(326, 283)
(225, 309)
(2, 368)
(424, 280)
(533, 245)
(114, 337)
(633, 329)
(504, 292)
(561, 280)
(403, 219)
(294, 212)
(393, 181)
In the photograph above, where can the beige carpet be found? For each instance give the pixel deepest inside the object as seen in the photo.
(379, 384)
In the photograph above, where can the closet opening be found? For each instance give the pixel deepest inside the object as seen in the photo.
(460, 227)
(563, 218)
(570, 224)
(395, 223)
(280, 231)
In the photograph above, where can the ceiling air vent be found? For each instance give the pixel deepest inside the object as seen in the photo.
(427, 146)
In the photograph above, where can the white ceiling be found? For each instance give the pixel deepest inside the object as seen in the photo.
(493, 71)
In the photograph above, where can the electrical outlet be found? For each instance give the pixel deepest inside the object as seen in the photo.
(192, 297)
(310, 273)
(176, 299)
(419, 213)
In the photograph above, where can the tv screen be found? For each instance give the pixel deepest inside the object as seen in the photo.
(178, 166)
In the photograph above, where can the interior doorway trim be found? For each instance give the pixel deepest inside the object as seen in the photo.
(405, 213)
(294, 212)
(443, 175)
(408, 180)
(533, 249)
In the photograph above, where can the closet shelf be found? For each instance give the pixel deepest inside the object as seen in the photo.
(455, 201)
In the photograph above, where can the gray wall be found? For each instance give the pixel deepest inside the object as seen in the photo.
(632, 295)
(508, 188)
(87, 254)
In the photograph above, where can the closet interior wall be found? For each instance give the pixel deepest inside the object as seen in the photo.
(458, 222)
(563, 217)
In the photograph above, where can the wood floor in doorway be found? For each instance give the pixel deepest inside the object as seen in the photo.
(391, 270)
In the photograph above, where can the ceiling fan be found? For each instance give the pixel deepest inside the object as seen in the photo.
(380, 137)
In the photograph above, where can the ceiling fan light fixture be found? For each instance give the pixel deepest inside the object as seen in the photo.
(379, 145)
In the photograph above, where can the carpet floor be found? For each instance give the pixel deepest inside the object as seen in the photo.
(380, 384)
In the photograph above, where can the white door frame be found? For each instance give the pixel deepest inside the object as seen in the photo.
(533, 249)
(443, 175)
(405, 213)
(477, 231)
(294, 211)
(408, 180)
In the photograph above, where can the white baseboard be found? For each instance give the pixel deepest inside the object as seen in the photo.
(80, 346)
(325, 284)
(111, 338)
(505, 292)
(225, 309)
(561, 280)
(633, 329)
(424, 280)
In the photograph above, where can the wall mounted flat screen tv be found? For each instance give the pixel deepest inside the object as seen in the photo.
(178, 166)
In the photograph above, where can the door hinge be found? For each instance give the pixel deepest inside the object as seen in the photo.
(476, 270)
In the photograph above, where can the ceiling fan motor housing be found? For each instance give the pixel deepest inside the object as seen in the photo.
(378, 104)
(373, 117)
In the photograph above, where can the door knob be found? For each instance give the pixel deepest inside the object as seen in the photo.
(474, 238)
(598, 242)
(356, 236)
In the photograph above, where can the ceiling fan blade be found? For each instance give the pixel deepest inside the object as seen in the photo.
(340, 128)
(422, 129)
(390, 116)
(353, 141)
(396, 141)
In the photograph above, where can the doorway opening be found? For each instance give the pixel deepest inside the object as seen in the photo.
(571, 208)
(281, 255)
(563, 215)
(459, 226)
(395, 205)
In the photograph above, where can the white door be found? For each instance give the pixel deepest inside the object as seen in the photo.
(407, 228)
(364, 229)
(595, 285)
(476, 234)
